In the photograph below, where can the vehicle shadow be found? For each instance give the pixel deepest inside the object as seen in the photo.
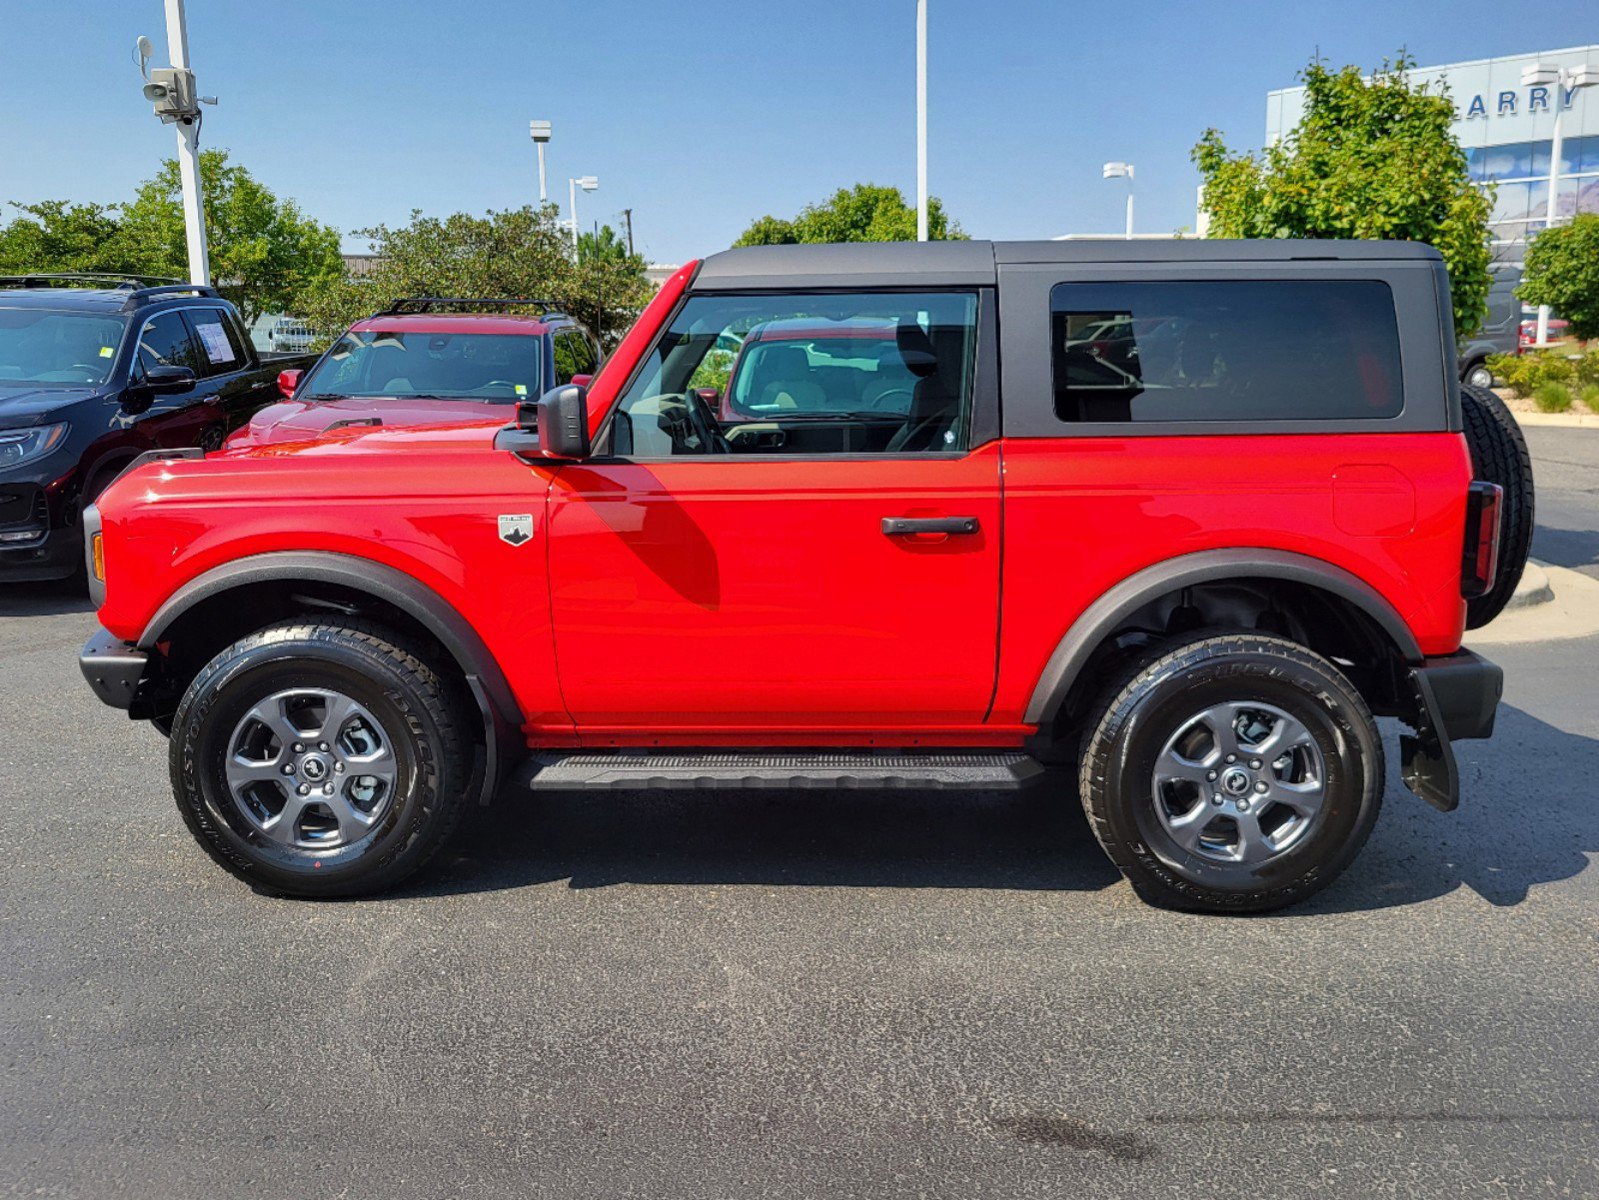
(1037, 839)
(50, 599)
(1574, 548)
(1528, 815)
(1033, 840)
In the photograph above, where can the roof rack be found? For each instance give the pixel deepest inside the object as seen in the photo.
(113, 279)
(424, 304)
(142, 295)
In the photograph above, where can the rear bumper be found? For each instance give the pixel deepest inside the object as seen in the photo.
(1454, 697)
(112, 668)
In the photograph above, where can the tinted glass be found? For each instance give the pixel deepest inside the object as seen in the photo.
(808, 373)
(57, 348)
(1285, 350)
(491, 367)
(220, 348)
(165, 342)
(573, 356)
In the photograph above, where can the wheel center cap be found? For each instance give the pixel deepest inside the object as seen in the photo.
(1235, 781)
(314, 768)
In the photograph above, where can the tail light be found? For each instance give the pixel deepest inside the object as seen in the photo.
(1479, 562)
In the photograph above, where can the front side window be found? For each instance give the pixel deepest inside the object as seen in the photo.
(63, 349)
(165, 342)
(574, 355)
(805, 373)
(489, 367)
(1256, 350)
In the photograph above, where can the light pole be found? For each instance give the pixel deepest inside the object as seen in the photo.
(171, 90)
(540, 131)
(1566, 82)
(921, 120)
(588, 183)
(1116, 170)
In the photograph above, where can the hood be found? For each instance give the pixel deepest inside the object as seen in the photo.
(28, 404)
(299, 420)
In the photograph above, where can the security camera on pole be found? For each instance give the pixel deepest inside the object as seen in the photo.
(171, 90)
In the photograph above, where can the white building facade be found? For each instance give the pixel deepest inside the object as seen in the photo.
(1507, 131)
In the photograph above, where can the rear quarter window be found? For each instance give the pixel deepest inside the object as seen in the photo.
(1225, 350)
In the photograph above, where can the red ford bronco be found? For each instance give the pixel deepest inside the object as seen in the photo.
(1181, 516)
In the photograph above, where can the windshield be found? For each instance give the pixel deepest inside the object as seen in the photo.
(496, 368)
(40, 346)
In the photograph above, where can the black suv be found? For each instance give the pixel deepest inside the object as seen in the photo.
(94, 371)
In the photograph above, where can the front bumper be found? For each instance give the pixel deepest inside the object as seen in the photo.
(1455, 697)
(56, 554)
(113, 668)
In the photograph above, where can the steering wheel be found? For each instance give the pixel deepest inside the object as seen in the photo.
(878, 405)
(706, 424)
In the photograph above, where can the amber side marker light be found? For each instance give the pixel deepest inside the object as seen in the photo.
(97, 553)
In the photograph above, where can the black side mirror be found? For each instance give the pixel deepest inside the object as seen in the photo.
(563, 422)
(169, 379)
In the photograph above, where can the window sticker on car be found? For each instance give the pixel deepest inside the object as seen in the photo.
(216, 341)
(107, 351)
(521, 389)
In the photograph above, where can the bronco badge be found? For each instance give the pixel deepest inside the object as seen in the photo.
(516, 528)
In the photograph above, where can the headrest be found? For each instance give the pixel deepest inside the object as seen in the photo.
(916, 348)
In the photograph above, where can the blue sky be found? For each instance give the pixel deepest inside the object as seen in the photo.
(700, 116)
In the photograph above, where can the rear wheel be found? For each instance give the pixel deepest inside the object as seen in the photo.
(319, 760)
(1479, 376)
(1233, 773)
(1499, 455)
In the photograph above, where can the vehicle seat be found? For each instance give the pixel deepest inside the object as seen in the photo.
(935, 404)
(787, 372)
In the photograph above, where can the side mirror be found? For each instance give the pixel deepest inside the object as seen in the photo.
(170, 379)
(563, 422)
(288, 381)
(710, 397)
(583, 381)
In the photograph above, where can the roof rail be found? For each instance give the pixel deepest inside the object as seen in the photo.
(424, 304)
(142, 295)
(114, 279)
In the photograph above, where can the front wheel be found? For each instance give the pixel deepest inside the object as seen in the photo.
(319, 760)
(1233, 773)
(1479, 376)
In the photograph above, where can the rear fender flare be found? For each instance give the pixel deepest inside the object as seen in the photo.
(1100, 618)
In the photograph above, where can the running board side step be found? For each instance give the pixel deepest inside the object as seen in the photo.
(622, 770)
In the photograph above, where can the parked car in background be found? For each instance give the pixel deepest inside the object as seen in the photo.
(94, 371)
(429, 360)
(291, 335)
(1559, 330)
(1191, 580)
(1500, 332)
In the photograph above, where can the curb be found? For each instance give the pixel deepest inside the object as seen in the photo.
(1570, 420)
(1532, 590)
(1572, 613)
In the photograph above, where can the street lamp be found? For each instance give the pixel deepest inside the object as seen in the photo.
(588, 183)
(1566, 81)
(1118, 170)
(540, 131)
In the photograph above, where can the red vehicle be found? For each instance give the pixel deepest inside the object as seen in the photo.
(1174, 519)
(426, 360)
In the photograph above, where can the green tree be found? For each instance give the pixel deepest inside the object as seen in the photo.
(54, 235)
(1563, 272)
(520, 252)
(606, 244)
(1370, 158)
(866, 212)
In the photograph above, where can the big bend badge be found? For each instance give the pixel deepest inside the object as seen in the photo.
(516, 528)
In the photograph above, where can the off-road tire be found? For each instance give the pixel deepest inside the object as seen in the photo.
(1149, 703)
(1499, 455)
(420, 709)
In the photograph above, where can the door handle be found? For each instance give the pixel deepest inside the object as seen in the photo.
(908, 526)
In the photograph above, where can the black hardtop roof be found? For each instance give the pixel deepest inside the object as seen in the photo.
(33, 291)
(899, 264)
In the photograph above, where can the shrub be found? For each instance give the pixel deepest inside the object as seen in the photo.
(1525, 373)
(1552, 397)
(1590, 396)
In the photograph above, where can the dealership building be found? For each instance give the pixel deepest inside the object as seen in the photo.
(1507, 128)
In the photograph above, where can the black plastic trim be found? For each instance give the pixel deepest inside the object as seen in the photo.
(503, 717)
(112, 668)
(1465, 688)
(1132, 593)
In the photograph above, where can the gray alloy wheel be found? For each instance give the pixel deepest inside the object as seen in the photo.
(1480, 376)
(311, 769)
(1239, 783)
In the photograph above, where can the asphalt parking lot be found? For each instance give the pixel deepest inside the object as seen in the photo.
(801, 995)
